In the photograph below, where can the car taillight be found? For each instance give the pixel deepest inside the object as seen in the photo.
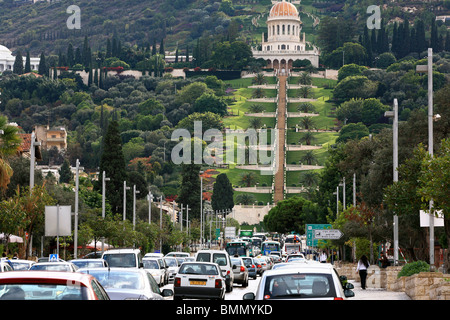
(242, 268)
(228, 272)
(259, 266)
(177, 282)
(337, 298)
(253, 266)
(218, 284)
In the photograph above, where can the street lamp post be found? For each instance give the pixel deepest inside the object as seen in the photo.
(125, 188)
(394, 115)
(104, 179)
(150, 200)
(75, 232)
(134, 206)
(201, 208)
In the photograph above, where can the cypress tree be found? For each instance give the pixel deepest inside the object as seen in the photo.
(113, 163)
(86, 53)
(70, 55)
(27, 63)
(421, 43)
(447, 42)
(434, 36)
(176, 56)
(90, 78)
(222, 197)
(65, 174)
(108, 49)
(43, 67)
(161, 47)
(394, 39)
(18, 64)
(189, 191)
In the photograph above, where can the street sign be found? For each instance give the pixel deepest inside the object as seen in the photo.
(230, 232)
(311, 241)
(217, 234)
(328, 234)
(53, 258)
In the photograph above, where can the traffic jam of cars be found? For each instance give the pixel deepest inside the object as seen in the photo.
(260, 268)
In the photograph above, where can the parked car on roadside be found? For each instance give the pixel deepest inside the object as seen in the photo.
(49, 285)
(199, 280)
(128, 283)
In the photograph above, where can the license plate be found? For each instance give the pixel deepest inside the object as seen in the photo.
(197, 283)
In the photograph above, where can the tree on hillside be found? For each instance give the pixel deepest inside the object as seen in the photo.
(9, 146)
(189, 191)
(65, 174)
(222, 197)
(18, 64)
(43, 68)
(113, 164)
(287, 216)
(27, 63)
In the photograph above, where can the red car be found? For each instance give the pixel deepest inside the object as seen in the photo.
(50, 285)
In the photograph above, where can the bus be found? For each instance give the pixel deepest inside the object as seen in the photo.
(268, 246)
(292, 244)
(237, 247)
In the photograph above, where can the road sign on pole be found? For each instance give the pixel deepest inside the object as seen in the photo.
(328, 234)
(311, 241)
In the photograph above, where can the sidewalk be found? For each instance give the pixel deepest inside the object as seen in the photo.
(376, 293)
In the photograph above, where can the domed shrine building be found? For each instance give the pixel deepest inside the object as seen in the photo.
(285, 41)
(7, 60)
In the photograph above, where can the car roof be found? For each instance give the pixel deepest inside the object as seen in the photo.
(114, 269)
(55, 275)
(299, 269)
(122, 251)
(53, 262)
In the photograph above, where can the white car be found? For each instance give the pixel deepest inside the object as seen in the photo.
(156, 268)
(222, 258)
(172, 267)
(178, 254)
(123, 258)
(199, 280)
(20, 264)
(54, 266)
(301, 281)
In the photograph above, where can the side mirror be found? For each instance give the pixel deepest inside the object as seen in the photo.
(167, 293)
(349, 293)
(349, 286)
(249, 296)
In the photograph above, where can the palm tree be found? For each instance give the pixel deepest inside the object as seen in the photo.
(304, 92)
(248, 179)
(305, 79)
(309, 179)
(255, 123)
(256, 108)
(307, 123)
(309, 157)
(306, 107)
(259, 79)
(245, 198)
(307, 138)
(258, 93)
(10, 143)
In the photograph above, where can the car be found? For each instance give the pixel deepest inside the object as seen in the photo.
(153, 255)
(178, 254)
(296, 256)
(276, 258)
(47, 259)
(20, 264)
(90, 263)
(302, 281)
(222, 258)
(50, 285)
(172, 266)
(123, 258)
(157, 269)
(54, 266)
(199, 280)
(128, 283)
(263, 265)
(240, 272)
(250, 264)
(5, 265)
(93, 255)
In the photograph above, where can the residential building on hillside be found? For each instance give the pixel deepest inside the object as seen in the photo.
(52, 137)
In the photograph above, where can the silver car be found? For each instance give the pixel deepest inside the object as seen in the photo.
(240, 271)
(128, 283)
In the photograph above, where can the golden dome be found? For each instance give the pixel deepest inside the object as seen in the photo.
(283, 9)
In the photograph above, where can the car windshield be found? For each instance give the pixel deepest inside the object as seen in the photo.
(299, 285)
(192, 268)
(88, 264)
(171, 262)
(247, 261)
(118, 279)
(150, 264)
(50, 267)
(20, 265)
(36, 291)
(236, 262)
(121, 260)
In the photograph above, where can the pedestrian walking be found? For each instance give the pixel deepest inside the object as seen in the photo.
(363, 265)
(323, 257)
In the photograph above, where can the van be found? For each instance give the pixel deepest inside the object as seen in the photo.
(123, 258)
(222, 258)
